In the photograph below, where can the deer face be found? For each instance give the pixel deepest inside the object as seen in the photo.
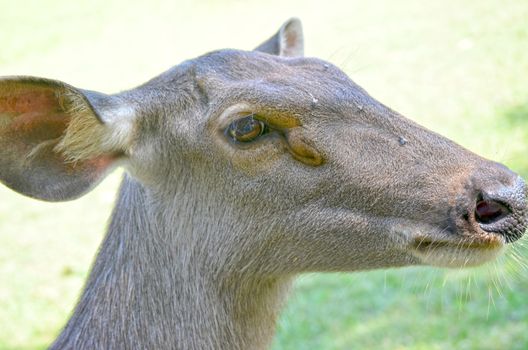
(299, 167)
(331, 178)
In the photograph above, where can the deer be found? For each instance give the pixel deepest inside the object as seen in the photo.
(243, 170)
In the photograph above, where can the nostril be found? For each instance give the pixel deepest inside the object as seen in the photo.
(489, 211)
(497, 204)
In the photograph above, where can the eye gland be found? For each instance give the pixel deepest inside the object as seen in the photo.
(246, 129)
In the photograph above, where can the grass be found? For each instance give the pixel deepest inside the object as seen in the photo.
(460, 68)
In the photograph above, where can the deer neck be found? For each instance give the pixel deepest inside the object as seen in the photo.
(155, 288)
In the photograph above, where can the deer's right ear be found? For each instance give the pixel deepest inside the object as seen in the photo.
(288, 41)
(57, 142)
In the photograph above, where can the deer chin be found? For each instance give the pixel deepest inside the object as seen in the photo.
(457, 250)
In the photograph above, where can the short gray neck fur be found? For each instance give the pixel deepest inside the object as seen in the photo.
(169, 299)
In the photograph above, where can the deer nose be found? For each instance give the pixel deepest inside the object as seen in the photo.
(501, 205)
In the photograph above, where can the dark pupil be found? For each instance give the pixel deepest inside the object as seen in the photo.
(246, 129)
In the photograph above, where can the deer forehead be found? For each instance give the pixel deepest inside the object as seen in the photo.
(295, 84)
(300, 91)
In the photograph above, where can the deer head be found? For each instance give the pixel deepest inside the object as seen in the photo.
(266, 163)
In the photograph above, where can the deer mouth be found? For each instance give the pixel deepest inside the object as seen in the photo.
(458, 251)
(487, 241)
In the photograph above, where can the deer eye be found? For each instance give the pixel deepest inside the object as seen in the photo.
(246, 129)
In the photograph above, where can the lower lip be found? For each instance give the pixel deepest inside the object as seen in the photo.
(483, 242)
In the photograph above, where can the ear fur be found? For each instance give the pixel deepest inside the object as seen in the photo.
(54, 144)
(288, 41)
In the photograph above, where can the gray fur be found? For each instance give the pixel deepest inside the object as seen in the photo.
(207, 236)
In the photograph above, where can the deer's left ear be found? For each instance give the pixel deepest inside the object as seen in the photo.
(56, 141)
(288, 41)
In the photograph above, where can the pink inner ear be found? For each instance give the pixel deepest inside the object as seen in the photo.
(100, 165)
(29, 101)
(39, 126)
(36, 115)
(291, 39)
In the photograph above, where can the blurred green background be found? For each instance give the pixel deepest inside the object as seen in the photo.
(458, 67)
